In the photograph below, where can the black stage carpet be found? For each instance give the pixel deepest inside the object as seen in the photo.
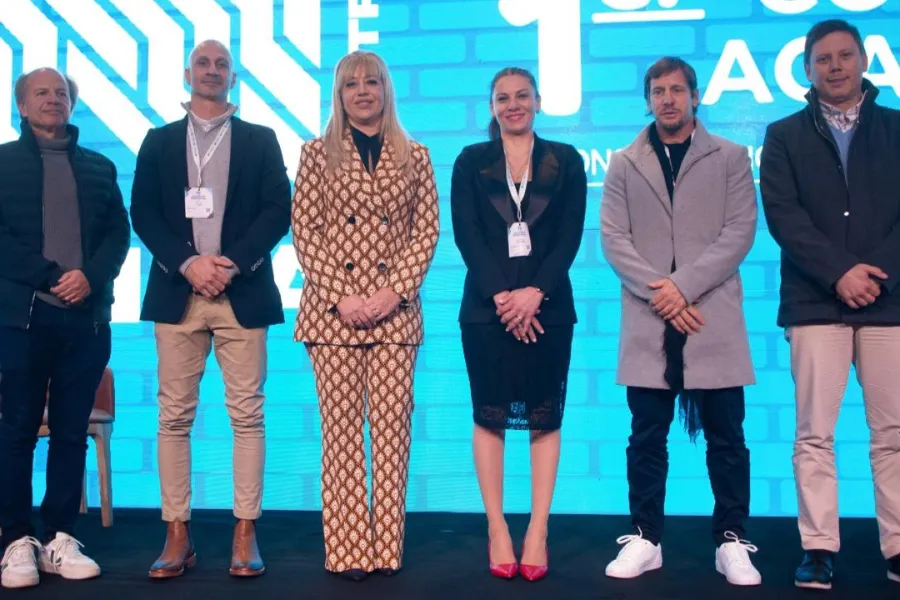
(446, 558)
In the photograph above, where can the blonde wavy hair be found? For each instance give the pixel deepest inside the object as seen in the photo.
(391, 130)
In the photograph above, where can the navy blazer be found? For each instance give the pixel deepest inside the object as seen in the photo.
(482, 211)
(256, 219)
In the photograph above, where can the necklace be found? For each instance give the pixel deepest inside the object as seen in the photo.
(519, 167)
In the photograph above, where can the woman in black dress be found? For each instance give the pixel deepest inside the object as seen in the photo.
(518, 204)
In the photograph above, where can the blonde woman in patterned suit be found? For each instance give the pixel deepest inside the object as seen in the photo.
(365, 226)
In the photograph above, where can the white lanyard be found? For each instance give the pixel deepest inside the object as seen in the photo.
(195, 150)
(518, 195)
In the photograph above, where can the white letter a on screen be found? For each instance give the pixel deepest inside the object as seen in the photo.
(878, 49)
(736, 51)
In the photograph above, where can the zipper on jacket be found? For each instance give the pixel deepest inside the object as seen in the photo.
(30, 310)
(833, 145)
(837, 152)
(43, 233)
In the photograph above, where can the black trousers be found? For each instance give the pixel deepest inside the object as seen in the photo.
(727, 459)
(67, 350)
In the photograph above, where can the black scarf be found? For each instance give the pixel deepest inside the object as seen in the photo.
(689, 401)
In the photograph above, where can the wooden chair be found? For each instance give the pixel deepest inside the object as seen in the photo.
(100, 430)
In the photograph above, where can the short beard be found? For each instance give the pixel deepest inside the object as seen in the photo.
(676, 127)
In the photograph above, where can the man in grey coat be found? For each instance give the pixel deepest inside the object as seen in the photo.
(678, 216)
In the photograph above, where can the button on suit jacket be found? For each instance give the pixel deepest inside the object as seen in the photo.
(355, 233)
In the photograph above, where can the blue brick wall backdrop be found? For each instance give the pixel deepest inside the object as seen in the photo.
(443, 54)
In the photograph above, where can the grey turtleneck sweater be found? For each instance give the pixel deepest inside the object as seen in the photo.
(62, 222)
(208, 232)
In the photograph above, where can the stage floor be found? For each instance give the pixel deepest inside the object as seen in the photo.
(446, 558)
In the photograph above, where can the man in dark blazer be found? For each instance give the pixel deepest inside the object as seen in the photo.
(211, 200)
(64, 236)
(828, 178)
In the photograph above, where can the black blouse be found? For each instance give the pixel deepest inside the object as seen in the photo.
(368, 146)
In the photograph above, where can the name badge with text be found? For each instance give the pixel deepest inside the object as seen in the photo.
(519, 240)
(198, 203)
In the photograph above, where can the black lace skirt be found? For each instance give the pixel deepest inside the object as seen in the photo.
(516, 385)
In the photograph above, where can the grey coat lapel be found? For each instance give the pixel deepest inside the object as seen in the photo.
(701, 146)
(644, 159)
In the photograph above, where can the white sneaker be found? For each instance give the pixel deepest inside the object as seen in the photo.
(19, 566)
(62, 556)
(733, 562)
(636, 558)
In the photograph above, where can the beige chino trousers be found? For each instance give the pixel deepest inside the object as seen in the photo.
(821, 356)
(183, 350)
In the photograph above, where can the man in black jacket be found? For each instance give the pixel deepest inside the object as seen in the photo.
(211, 200)
(830, 195)
(64, 235)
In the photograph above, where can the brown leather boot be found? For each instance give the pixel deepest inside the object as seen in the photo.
(178, 553)
(245, 558)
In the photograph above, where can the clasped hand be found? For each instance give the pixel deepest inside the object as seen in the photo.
(670, 304)
(857, 288)
(365, 313)
(209, 275)
(518, 310)
(72, 288)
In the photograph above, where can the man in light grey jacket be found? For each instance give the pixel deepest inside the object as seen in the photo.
(678, 216)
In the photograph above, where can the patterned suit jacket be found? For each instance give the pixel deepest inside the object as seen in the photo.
(356, 233)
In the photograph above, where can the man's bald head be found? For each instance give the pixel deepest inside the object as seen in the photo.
(210, 73)
(204, 47)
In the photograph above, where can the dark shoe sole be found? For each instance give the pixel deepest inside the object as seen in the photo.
(812, 585)
(894, 576)
(352, 574)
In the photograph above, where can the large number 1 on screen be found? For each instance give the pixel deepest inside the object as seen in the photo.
(559, 49)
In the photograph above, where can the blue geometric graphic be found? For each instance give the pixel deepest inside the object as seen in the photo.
(589, 56)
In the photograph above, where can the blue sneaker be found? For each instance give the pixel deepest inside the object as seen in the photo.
(816, 570)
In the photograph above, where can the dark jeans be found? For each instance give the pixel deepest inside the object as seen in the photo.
(727, 459)
(66, 349)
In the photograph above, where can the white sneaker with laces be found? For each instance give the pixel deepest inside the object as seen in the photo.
(636, 558)
(62, 556)
(19, 566)
(733, 561)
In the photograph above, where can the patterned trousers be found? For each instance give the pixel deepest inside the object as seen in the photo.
(352, 381)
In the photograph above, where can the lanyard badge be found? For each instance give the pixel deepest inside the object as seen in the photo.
(198, 200)
(519, 239)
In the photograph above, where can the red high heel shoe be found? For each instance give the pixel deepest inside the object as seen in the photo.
(503, 571)
(535, 573)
